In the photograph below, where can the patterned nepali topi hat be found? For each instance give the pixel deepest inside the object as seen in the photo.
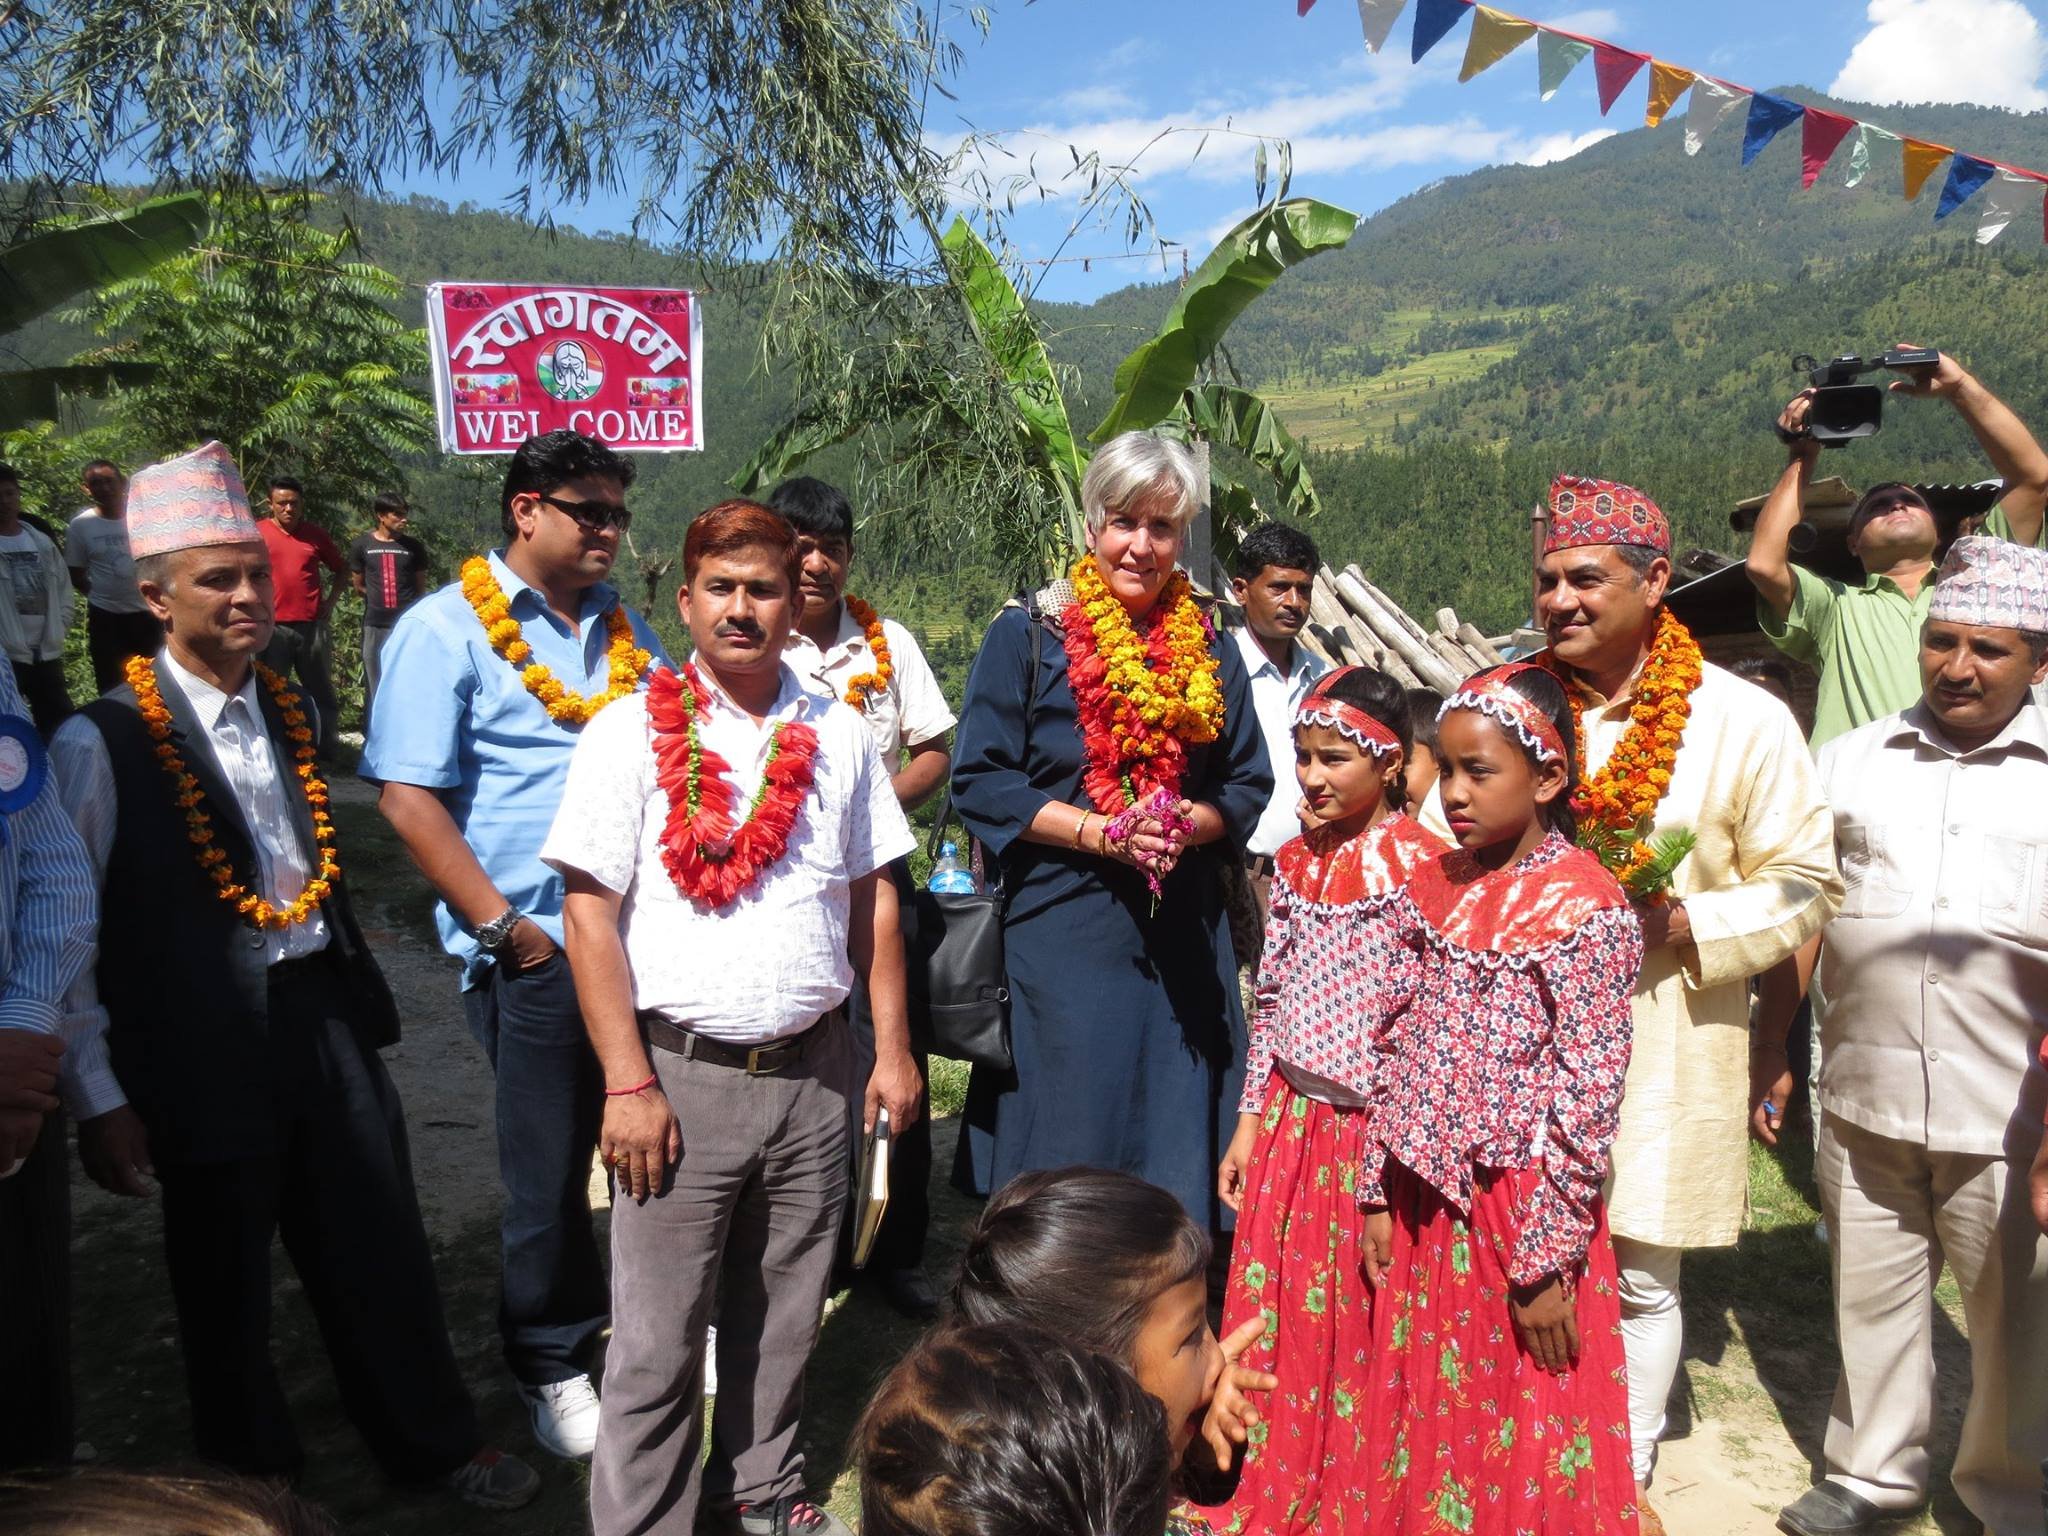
(186, 502)
(1994, 584)
(1586, 512)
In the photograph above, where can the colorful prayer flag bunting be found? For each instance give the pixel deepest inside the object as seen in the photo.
(1713, 103)
(1557, 55)
(1769, 116)
(1615, 67)
(1966, 173)
(1819, 136)
(1377, 17)
(1495, 35)
(1668, 82)
(1867, 136)
(1921, 160)
(1433, 18)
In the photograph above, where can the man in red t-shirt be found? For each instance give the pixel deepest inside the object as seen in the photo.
(298, 646)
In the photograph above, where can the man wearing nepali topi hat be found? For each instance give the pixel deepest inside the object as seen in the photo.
(1668, 743)
(233, 1022)
(1932, 1087)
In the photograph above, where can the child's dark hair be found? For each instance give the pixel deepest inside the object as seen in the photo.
(1542, 689)
(1387, 702)
(1010, 1431)
(1081, 1252)
(1423, 704)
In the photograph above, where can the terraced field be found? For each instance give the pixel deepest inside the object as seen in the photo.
(1362, 412)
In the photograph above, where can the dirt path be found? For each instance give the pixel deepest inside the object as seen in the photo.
(1744, 1446)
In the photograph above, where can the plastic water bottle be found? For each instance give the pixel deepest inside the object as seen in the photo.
(949, 874)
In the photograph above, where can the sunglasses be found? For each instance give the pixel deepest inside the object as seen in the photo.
(591, 516)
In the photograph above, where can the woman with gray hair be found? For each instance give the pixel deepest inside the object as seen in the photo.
(1109, 759)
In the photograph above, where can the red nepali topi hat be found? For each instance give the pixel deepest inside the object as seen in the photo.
(1586, 512)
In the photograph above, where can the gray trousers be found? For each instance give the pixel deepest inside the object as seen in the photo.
(750, 1219)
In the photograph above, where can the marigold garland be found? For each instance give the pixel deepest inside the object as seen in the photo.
(1142, 698)
(864, 687)
(711, 859)
(1622, 798)
(626, 663)
(212, 858)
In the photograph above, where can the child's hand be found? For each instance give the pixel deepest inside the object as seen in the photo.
(1548, 1320)
(1231, 1415)
(1379, 1246)
(1237, 1157)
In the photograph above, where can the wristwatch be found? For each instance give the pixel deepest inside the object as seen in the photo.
(494, 935)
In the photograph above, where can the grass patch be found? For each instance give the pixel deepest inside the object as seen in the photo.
(1362, 412)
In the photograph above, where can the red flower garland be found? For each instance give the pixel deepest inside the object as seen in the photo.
(1114, 782)
(710, 859)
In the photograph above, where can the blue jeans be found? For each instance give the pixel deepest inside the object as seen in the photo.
(550, 1102)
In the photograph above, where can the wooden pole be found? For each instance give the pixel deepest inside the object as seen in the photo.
(1539, 530)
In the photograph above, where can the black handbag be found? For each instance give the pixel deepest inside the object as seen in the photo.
(953, 962)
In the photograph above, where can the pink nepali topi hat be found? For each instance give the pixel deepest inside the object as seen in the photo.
(193, 500)
(1993, 584)
(1584, 512)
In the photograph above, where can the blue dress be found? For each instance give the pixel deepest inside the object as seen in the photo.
(1125, 1024)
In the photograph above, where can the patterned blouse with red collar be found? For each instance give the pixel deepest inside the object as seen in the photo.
(1515, 1048)
(1332, 966)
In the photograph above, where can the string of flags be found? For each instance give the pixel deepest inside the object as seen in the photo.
(1495, 34)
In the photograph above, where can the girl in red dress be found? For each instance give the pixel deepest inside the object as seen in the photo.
(1498, 1403)
(1326, 980)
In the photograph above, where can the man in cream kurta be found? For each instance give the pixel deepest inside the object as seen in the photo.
(1761, 881)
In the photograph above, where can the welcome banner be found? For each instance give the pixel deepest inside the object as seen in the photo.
(1495, 34)
(618, 364)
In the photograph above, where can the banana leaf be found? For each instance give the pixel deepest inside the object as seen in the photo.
(32, 394)
(1245, 263)
(46, 269)
(1013, 344)
(788, 446)
(1242, 420)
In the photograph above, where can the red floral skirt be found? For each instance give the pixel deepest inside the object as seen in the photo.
(1297, 1263)
(1467, 1434)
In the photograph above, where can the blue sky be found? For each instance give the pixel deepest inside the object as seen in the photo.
(1112, 76)
(1367, 129)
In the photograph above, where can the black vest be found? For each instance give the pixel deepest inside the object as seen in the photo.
(182, 976)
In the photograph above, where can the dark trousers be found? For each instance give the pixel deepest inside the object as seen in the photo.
(111, 638)
(35, 1307)
(42, 687)
(374, 637)
(338, 1188)
(299, 649)
(550, 1102)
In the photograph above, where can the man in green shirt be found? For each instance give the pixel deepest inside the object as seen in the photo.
(1864, 641)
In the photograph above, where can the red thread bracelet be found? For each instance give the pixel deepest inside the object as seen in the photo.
(626, 1093)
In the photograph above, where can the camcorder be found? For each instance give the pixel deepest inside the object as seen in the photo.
(1843, 410)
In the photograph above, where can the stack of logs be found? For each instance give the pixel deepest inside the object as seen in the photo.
(1353, 623)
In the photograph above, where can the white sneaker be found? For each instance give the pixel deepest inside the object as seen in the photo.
(711, 1361)
(564, 1417)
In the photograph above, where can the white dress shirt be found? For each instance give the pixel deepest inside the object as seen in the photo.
(1936, 971)
(1274, 695)
(909, 712)
(767, 965)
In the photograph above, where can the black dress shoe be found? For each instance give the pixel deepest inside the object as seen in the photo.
(1829, 1509)
(910, 1293)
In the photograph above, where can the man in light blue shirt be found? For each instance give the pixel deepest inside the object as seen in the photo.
(471, 747)
(49, 921)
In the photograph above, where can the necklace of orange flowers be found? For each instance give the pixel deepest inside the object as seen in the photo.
(1625, 793)
(864, 687)
(254, 910)
(1141, 699)
(626, 663)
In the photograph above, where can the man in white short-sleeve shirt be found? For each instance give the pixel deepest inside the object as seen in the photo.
(842, 647)
(722, 837)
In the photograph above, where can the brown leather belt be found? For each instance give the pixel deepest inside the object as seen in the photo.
(754, 1060)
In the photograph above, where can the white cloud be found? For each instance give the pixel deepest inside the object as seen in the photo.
(1603, 24)
(1553, 147)
(1986, 51)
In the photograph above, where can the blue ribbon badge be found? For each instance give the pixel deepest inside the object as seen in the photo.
(23, 766)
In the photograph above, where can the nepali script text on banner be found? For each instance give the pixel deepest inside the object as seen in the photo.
(515, 359)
